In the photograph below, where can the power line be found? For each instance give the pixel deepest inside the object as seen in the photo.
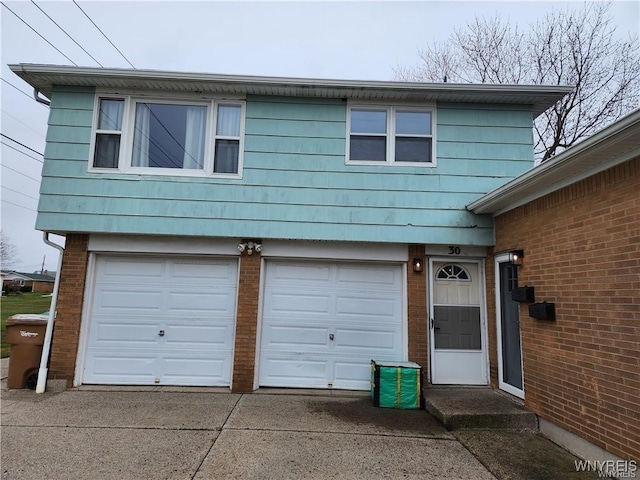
(19, 193)
(103, 34)
(20, 173)
(20, 151)
(38, 33)
(20, 121)
(65, 32)
(16, 205)
(24, 93)
(21, 144)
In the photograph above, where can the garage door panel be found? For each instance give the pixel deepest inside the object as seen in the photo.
(180, 370)
(295, 337)
(126, 300)
(214, 336)
(299, 273)
(120, 333)
(123, 368)
(189, 270)
(185, 303)
(368, 307)
(288, 371)
(376, 342)
(367, 277)
(170, 318)
(125, 270)
(292, 304)
(353, 375)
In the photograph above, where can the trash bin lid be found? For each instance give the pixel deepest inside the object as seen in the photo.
(27, 319)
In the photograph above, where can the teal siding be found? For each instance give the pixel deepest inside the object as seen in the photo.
(295, 183)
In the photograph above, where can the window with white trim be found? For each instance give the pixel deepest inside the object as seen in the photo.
(143, 135)
(391, 135)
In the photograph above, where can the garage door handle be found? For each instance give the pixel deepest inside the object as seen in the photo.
(331, 336)
(161, 333)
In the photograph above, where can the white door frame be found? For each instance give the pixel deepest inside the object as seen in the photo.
(504, 258)
(483, 311)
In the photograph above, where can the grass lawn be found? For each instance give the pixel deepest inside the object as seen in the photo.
(25, 303)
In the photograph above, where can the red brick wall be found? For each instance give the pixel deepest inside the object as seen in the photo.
(417, 310)
(64, 350)
(582, 251)
(246, 323)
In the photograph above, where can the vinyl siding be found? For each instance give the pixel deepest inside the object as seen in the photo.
(295, 183)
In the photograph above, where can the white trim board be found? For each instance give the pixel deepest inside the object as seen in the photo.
(163, 244)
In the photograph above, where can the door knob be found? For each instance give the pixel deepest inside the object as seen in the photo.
(161, 333)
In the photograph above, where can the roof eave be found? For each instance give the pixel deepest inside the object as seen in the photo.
(539, 96)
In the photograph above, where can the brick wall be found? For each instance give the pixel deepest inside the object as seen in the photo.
(417, 310)
(246, 323)
(582, 251)
(64, 349)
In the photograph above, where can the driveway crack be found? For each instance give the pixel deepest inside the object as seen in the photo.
(217, 436)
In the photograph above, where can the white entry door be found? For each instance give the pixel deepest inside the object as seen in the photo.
(323, 323)
(161, 321)
(457, 326)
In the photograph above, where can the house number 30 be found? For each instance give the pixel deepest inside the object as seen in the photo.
(454, 250)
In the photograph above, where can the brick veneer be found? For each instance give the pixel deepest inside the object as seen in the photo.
(582, 251)
(417, 310)
(246, 323)
(64, 350)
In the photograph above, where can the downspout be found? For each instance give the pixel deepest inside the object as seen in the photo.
(48, 336)
(36, 95)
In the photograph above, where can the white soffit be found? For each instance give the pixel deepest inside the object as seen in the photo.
(615, 144)
(44, 77)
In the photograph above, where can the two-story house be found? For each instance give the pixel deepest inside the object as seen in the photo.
(273, 232)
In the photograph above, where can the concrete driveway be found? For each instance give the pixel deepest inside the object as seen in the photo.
(173, 433)
(160, 434)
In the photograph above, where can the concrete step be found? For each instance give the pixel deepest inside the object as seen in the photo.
(468, 408)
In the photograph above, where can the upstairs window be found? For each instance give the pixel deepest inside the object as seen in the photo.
(391, 135)
(168, 137)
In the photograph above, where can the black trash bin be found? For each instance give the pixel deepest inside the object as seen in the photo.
(25, 334)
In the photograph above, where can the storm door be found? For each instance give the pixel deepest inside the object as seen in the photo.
(508, 323)
(456, 323)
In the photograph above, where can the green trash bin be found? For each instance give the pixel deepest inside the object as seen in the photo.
(395, 384)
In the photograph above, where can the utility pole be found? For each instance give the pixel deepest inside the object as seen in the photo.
(42, 269)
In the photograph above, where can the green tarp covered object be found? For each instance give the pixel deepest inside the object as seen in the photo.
(395, 384)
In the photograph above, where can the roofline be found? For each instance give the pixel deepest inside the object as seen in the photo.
(34, 73)
(494, 201)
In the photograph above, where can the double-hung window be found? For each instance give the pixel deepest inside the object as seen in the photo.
(391, 135)
(142, 135)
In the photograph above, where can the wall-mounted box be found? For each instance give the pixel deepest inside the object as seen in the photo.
(523, 294)
(543, 311)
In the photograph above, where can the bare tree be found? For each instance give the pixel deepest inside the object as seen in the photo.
(8, 252)
(566, 47)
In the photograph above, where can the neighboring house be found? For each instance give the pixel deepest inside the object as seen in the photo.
(576, 218)
(27, 282)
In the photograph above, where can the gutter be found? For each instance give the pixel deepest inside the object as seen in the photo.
(48, 336)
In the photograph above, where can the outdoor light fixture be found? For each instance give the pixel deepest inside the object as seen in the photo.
(515, 257)
(250, 247)
(418, 265)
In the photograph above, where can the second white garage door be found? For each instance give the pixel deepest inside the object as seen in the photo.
(162, 321)
(323, 323)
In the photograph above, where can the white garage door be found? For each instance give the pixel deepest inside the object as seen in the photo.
(323, 323)
(162, 321)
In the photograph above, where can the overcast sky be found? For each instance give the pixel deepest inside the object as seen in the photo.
(341, 40)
